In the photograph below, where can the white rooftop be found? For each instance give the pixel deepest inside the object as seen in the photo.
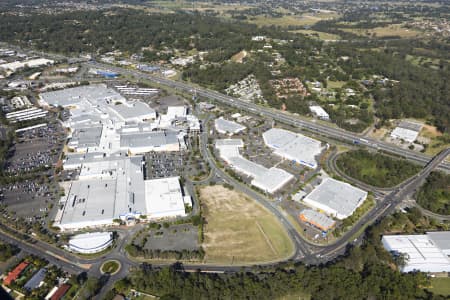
(336, 198)
(90, 241)
(268, 180)
(405, 134)
(164, 198)
(107, 189)
(293, 146)
(422, 254)
(228, 127)
(319, 111)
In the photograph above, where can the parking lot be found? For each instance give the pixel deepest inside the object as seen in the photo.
(164, 164)
(35, 148)
(176, 237)
(29, 199)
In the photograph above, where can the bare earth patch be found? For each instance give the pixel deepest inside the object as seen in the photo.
(239, 230)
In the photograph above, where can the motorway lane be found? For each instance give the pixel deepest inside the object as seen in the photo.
(389, 204)
(298, 121)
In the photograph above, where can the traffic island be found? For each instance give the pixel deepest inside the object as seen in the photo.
(110, 267)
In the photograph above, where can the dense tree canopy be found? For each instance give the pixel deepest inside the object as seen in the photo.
(434, 194)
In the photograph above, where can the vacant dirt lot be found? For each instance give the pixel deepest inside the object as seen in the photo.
(239, 230)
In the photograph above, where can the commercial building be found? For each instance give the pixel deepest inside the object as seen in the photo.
(26, 115)
(336, 198)
(293, 146)
(91, 242)
(319, 112)
(113, 187)
(317, 219)
(101, 120)
(421, 252)
(228, 127)
(142, 142)
(164, 198)
(107, 189)
(268, 180)
(134, 112)
(407, 131)
(441, 239)
(31, 63)
(15, 273)
(108, 136)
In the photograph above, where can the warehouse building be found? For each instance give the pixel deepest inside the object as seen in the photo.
(317, 219)
(31, 63)
(336, 198)
(407, 131)
(269, 180)
(91, 242)
(293, 146)
(421, 252)
(228, 127)
(319, 112)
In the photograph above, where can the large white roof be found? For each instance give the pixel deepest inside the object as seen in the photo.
(421, 252)
(336, 197)
(226, 126)
(164, 198)
(136, 110)
(107, 189)
(293, 146)
(90, 240)
(405, 134)
(269, 180)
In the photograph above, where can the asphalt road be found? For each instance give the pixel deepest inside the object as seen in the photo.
(297, 121)
(304, 251)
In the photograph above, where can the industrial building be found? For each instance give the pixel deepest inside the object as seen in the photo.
(423, 252)
(293, 146)
(31, 63)
(91, 242)
(319, 112)
(336, 198)
(224, 126)
(406, 131)
(268, 180)
(317, 219)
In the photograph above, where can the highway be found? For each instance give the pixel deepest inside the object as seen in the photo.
(297, 121)
(388, 204)
(304, 251)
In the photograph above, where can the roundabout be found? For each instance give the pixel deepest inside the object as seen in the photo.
(110, 267)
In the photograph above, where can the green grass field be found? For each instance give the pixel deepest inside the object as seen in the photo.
(440, 286)
(376, 169)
